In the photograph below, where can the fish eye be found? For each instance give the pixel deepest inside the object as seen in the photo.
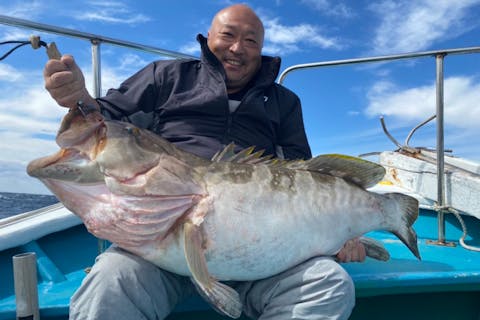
(132, 130)
(129, 130)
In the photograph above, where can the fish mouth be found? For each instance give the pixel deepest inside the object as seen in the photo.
(80, 138)
(67, 164)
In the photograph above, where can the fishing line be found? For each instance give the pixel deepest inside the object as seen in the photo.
(34, 41)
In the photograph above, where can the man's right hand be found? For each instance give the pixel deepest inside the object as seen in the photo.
(65, 82)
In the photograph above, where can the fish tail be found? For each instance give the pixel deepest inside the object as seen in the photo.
(408, 207)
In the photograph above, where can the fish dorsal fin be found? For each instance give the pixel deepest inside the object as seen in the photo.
(247, 156)
(356, 170)
(244, 156)
(226, 153)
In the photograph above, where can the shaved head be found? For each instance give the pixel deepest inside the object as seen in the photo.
(243, 12)
(236, 38)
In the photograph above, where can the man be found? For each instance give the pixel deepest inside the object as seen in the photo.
(229, 95)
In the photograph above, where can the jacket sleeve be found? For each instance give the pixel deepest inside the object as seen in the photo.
(292, 139)
(135, 96)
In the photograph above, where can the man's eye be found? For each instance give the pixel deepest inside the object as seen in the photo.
(252, 43)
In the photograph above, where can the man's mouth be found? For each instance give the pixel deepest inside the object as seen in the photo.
(233, 62)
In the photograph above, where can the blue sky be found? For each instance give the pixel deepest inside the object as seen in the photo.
(341, 105)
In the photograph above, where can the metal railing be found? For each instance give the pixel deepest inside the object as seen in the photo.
(439, 59)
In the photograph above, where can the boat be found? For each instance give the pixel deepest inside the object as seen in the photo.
(445, 284)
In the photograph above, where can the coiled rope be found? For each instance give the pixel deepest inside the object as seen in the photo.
(462, 224)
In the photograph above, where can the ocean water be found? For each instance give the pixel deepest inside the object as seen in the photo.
(15, 203)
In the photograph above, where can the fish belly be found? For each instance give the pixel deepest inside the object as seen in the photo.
(277, 219)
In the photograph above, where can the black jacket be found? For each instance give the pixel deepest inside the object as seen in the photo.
(186, 102)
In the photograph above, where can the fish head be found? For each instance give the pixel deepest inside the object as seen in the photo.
(99, 159)
(80, 138)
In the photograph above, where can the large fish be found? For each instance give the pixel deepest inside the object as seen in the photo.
(239, 216)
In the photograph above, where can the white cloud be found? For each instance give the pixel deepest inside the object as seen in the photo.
(22, 9)
(131, 62)
(461, 102)
(337, 9)
(110, 17)
(111, 12)
(408, 26)
(115, 72)
(192, 48)
(25, 149)
(19, 147)
(280, 38)
(14, 34)
(14, 178)
(404, 108)
(28, 102)
(29, 119)
(9, 73)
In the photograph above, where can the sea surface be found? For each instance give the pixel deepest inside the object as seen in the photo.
(15, 203)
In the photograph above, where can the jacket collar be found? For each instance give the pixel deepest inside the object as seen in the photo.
(266, 75)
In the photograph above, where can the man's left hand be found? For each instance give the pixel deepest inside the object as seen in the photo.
(353, 251)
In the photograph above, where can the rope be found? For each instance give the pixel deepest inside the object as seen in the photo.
(462, 224)
(464, 228)
(34, 41)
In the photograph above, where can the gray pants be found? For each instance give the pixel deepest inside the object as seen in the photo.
(124, 286)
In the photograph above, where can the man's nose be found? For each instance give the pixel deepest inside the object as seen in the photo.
(237, 47)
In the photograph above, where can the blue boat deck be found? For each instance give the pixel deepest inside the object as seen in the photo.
(446, 277)
(442, 268)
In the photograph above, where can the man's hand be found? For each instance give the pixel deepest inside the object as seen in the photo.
(65, 82)
(353, 251)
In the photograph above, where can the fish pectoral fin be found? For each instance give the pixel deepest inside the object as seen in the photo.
(375, 249)
(222, 298)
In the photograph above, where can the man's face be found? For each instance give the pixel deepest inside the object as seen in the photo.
(236, 39)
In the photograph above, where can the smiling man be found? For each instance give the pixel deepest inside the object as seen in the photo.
(229, 95)
(236, 39)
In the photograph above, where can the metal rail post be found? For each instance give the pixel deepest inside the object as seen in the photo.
(439, 58)
(96, 68)
(97, 92)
